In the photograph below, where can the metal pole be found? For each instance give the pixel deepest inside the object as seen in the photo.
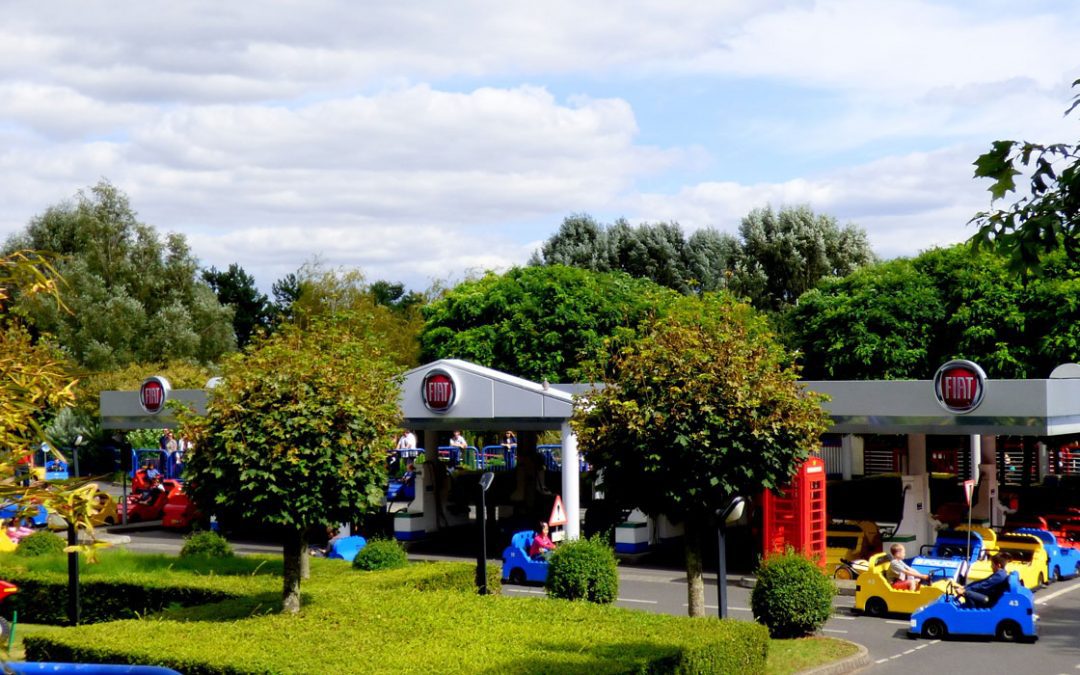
(481, 562)
(721, 573)
(124, 504)
(73, 577)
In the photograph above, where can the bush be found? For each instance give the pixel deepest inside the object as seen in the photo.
(792, 597)
(40, 543)
(206, 544)
(584, 569)
(381, 554)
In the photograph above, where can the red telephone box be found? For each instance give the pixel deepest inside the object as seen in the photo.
(797, 518)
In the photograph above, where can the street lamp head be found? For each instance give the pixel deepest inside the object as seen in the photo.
(485, 480)
(79, 440)
(731, 513)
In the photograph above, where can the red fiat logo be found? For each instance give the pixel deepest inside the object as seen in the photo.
(959, 386)
(152, 396)
(439, 392)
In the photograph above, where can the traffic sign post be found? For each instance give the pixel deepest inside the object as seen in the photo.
(557, 519)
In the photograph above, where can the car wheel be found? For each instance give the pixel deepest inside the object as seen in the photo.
(1008, 631)
(876, 607)
(843, 572)
(1042, 581)
(934, 629)
(517, 576)
(109, 520)
(1056, 577)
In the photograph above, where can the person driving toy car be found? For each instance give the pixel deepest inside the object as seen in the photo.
(986, 592)
(541, 544)
(900, 574)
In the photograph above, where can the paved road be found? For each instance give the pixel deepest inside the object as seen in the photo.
(664, 591)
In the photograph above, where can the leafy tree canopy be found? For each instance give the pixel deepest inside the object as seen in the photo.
(235, 288)
(536, 322)
(777, 257)
(904, 318)
(132, 296)
(699, 407)
(296, 433)
(1044, 219)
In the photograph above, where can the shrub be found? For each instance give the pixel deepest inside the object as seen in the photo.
(206, 544)
(792, 597)
(381, 554)
(40, 543)
(584, 569)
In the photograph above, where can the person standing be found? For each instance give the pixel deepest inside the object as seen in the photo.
(407, 441)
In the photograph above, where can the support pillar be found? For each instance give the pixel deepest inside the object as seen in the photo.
(571, 482)
(847, 451)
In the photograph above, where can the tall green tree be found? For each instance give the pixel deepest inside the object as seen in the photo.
(778, 256)
(296, 433)
(787, 252)
(132, 296)
(1044, 219)
(904, 318)
(236, 288)
(536, 322)
(700, 407)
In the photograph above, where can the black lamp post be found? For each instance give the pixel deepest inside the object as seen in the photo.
(724, 517)
(75, 454)
(481, 517)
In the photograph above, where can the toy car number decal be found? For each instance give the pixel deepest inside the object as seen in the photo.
(1014, 603)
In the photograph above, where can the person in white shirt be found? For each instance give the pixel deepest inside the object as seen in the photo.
(407, 441)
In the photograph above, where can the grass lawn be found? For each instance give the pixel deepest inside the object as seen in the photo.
(422, 619)
(791, 656)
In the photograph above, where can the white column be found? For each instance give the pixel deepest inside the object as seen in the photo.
(847, 450)
(1044, 460)
(571, 482)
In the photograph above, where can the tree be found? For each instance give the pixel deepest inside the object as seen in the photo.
(779, 257)
(536, 322)
(132, 297)
(904, 318)
(697, 409)
(296, 433)
(786, 253)
(1045, 219)
(34, 380)
(236, 288)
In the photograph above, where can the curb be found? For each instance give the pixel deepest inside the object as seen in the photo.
(847, 664)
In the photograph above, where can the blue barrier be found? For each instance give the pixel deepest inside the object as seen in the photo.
(20, 667)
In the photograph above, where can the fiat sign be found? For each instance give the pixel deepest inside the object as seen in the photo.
(959, 386)
(439, 391)
(153, 393)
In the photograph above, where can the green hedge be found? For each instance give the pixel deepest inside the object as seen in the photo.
(418, 619)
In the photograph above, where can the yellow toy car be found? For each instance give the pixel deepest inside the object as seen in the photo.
(1029, 558)
(875, 595)
(103, 512)
(6, 545)
(847, 544)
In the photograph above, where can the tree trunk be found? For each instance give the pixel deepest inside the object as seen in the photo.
(293, 559)
(695, 582)
(305, 562)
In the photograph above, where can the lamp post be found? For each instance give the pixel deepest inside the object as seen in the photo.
(724, 517)
(75, 453)
(481, 517)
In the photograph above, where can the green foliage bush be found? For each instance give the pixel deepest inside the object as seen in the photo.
(40, 543)
(381, 554)
(792, 597)
(584, 569)
(206, 544)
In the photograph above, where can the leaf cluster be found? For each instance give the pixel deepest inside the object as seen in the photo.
(296, 433)
(701, 406)
(791, 597)
(584, 569)
(537, 322)
(1044, 218)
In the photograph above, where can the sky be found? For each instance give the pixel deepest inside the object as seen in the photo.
(428, 141)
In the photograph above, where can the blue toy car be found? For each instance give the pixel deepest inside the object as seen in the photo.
(518, 567)
(1011, 618)
(1064, 561)
(949, 554)
(38, 518)
(346, 548)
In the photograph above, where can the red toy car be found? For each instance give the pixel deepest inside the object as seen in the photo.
(150, 504)
(180, 512)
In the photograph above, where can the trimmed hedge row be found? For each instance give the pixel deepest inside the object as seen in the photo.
(407, 621)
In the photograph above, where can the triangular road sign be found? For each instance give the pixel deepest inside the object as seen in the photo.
(969, 488)
(558, 514)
